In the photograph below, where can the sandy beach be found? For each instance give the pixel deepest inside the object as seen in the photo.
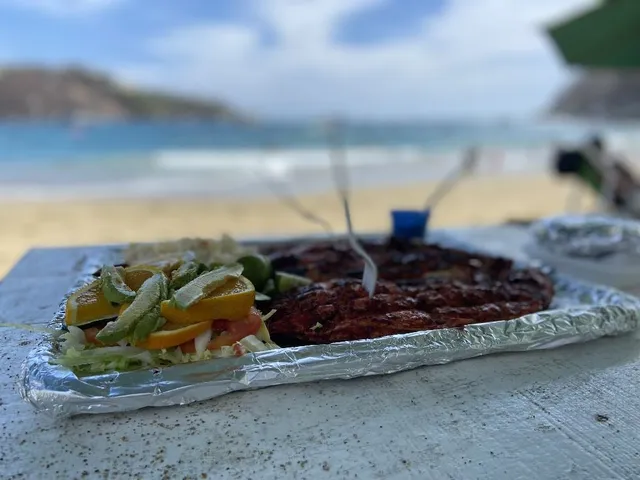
(476, 201)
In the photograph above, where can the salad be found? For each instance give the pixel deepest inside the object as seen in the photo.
(171, 306)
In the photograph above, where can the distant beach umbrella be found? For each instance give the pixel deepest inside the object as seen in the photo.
(606, 36)
(601, 95)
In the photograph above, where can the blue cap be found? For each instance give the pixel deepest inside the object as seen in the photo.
(410, 223)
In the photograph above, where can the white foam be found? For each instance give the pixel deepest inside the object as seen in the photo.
(246, 173)
(280, 160)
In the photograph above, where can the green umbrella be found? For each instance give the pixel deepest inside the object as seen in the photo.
(607, 36)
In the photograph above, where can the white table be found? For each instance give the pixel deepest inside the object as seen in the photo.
(568, 413)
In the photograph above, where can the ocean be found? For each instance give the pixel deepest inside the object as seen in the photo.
(62, 160)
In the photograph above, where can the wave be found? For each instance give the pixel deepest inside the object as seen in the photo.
(254, 172)
(279, 163)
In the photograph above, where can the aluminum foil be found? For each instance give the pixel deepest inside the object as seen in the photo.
(589, 237)
(580, 312)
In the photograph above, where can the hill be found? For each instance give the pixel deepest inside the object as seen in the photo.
(40, 93)
(601, 95)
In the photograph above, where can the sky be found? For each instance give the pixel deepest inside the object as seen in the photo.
(374, 59)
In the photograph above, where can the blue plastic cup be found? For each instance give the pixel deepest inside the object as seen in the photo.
(410, 223)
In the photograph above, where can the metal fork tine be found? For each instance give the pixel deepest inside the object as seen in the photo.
(289, 200)
(294, 204)
(341, 177)
(468, 164)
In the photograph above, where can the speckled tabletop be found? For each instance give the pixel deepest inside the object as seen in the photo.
(567, 413)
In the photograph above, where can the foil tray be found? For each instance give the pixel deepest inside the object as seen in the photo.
(580, 312)
(589, 236)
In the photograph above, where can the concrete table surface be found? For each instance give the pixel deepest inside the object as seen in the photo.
(569, 413)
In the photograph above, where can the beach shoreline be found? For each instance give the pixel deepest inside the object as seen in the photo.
(480, 200)
(237, 175)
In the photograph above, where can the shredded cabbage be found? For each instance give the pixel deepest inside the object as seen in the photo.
(105, 359)
(225, 250)
(86, 358)
(202, 340)
(74, 338)
(252, 345)
(263, 332)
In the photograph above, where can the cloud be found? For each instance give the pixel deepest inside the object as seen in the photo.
(62, 8)
(473, 58)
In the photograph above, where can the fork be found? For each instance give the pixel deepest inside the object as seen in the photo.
(466, 167)
(337, 156)
(288, 199)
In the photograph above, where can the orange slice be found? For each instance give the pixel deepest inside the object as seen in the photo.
(135, 276)
(173, 335)
(232, 301)
(88, 305)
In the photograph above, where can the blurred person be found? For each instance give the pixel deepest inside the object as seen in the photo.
(604, 173)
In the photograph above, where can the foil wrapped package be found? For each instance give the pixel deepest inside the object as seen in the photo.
(580, 312)
(588, 236)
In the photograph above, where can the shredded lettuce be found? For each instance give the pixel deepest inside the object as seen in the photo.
(202, 340)
(105, 359)
(316, 326)
(225, 250)
(263, 333)
(74, 338)
(252, 345)
(86, 358)
(224, 352)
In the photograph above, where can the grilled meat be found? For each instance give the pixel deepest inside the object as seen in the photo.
(400, 261)
(340, 310)
(421, 287)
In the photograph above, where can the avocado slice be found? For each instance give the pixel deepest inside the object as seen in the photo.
(113, 286)
(149, 296)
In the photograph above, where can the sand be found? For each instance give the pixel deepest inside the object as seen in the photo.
(476, 201)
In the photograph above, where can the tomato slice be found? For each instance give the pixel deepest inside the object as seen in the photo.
(236, 331)
(90, 335)
(232, 331)
(188, 347)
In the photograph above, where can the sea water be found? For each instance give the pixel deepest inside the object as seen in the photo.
(57, 159)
